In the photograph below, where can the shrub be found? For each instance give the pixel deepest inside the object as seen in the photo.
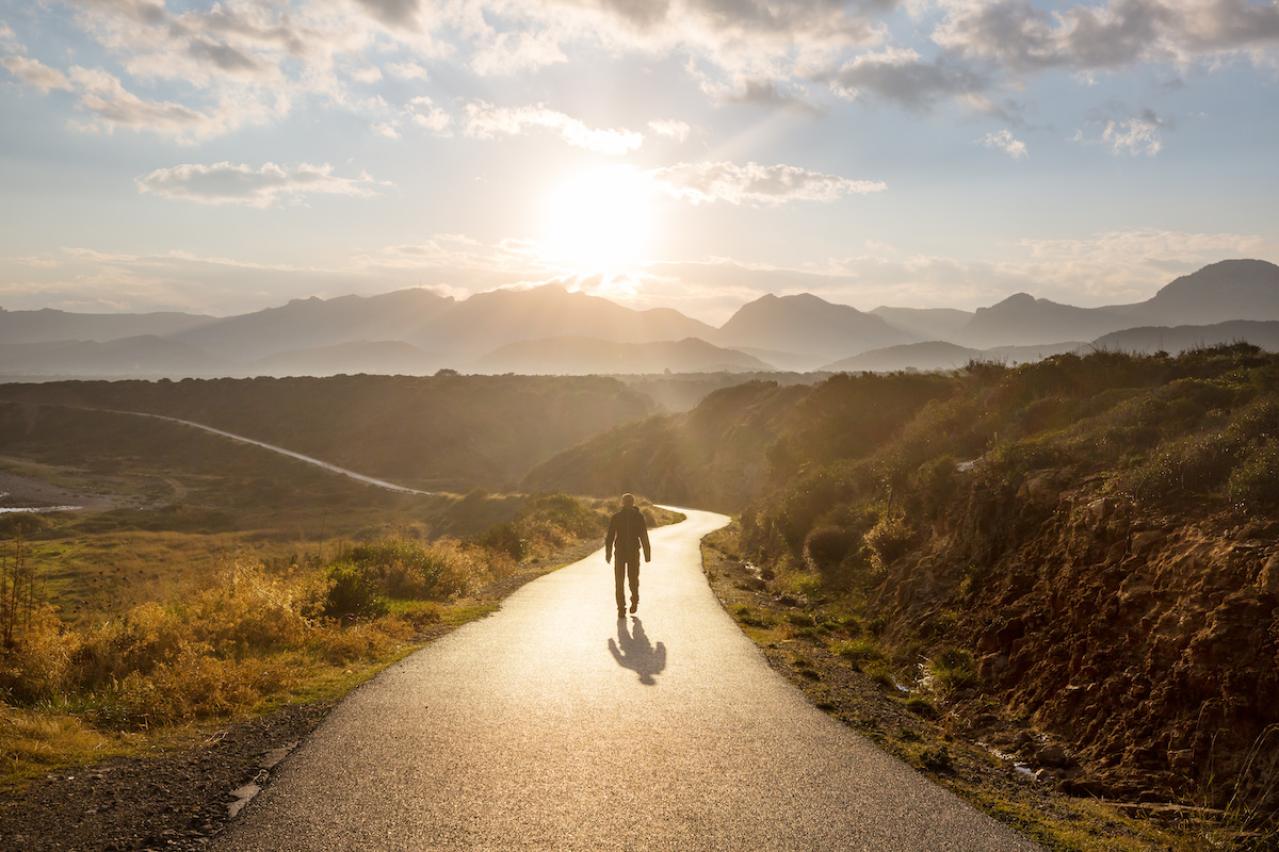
(1254, 485)
(888, 541)
(505, 538)
(951, 670)
(351, 594)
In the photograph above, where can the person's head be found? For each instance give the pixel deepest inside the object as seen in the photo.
(628, 500)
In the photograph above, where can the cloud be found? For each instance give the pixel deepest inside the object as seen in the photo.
(756, 185)
(486, 121)
(407, 70)
(35, 73)
(1004, 140)
(1134, 134)
(670, 129)
(515, 52)
(1023, 37)
(238, 183)
(112, 106)
(425, 114)
(397, 14)
(902, 76)
(368, 75)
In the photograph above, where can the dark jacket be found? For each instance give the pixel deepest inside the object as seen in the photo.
(626, 532)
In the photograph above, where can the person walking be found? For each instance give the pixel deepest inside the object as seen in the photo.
(627, 532)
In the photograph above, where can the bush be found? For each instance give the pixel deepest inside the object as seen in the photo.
(1254, 485)
(951, 670)
(827, 548)
(505, 538)
(352, 593)
(888, 541)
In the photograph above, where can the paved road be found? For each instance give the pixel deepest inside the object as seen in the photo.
(552, 725)
(311, 460)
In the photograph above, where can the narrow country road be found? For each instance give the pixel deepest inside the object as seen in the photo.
(311, 460)
(552, 725)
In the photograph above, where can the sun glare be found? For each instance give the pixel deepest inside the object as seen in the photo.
(600, 220)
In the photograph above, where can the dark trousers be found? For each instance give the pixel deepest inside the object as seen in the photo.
(626, 566)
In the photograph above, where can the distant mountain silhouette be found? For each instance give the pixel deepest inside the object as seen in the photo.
(939, 355)
(385, 357)
(1179, 338)
(1231, 289)
(807, 325)
(48, 325)
(925, 323)
(1228, 290)
(486, 321)
(797, 332)
(1022, 319)
(587, 355)
(145, 355)
(314, 322)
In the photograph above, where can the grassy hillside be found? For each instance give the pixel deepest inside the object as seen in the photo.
(1075, 560)
(441, 432)
(226, 581)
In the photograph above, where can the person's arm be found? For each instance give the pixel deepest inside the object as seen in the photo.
(609, 539)
(648, 554)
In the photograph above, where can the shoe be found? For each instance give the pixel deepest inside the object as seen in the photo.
(634, 606)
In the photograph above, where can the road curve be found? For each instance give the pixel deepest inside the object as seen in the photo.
(552, 725)
(332, 468)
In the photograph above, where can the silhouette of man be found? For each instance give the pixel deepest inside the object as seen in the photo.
(627, 531)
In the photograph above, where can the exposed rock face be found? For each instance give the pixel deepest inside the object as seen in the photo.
(1149, 645)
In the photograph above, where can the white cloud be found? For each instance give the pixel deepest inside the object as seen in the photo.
(670, 129)
(515, 52)
(756, 185)
(112, 106)
(425, 114)
(407, 70)
(486, 121)
(238, 183)
(35, 73)
(1134, 136)
(368, 74)
(1004, 140)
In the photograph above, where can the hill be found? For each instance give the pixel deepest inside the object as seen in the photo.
(807, 325)
(925, 323)
(48, 325)
(440, 432)
(1022, 319)
(1150, 339)
(316, 323)
(144, 355)
(486, 321)
(588, 355)
(1081, 550)
(938, 355)
(1227, 290)
(386, 357)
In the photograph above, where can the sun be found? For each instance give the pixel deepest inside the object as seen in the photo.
(599, 221)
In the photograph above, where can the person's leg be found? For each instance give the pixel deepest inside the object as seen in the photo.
(619, 573)
(632, 573)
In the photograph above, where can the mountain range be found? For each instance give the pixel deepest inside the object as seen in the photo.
(549, 329)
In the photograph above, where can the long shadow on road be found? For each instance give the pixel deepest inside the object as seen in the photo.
(632, 650)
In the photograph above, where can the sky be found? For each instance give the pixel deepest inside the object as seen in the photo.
(228, 156)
